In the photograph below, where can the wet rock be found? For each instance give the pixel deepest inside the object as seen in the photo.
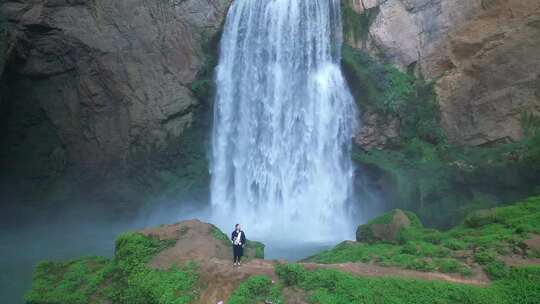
(385, 228)
(196, 241)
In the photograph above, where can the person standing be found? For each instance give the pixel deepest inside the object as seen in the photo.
(238, 239)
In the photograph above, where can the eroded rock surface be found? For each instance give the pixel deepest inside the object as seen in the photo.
(483, 55)
(385, 228)
(99, 84)
(194, 241)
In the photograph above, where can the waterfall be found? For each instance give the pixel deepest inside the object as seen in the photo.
(283, 122)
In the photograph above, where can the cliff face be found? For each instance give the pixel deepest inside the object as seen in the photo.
(482, 54)
(99, 84)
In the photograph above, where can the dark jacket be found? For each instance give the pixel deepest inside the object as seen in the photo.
(242, 238)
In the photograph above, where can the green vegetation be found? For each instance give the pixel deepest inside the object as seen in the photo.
(71, 282)
(254, 247)
(357, 25)
(124, 279)
(188, 177)
(257, 289)
(483, 237)
(325, 286)
(384, 89)
(438, 181)
(421, 256)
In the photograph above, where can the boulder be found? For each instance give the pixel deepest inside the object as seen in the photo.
(387, 227)
(196, 241)
(480, 218)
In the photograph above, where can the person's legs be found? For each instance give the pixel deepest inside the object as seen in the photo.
(236, 258)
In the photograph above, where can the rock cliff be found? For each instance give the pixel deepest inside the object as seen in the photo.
(482, 54)
(98, 85)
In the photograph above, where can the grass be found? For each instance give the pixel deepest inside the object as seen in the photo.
(492, 233)
(326, 286)
(442, 183)
(124, 279)
(422, 172)
(257, 289)
(70, 282)
(419, 256)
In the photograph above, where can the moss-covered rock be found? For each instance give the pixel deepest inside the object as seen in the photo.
(387, 227)
(154, 265)
(480, 218)
(127, 278)
(253, 249)
(511, 233)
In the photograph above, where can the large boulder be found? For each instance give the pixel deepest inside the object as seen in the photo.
(196, 241)
(387, 227)
(188, 262)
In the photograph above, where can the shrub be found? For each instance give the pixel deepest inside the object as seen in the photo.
(484, 257)
(257, 289)
(454, 244)
(291, 274)
(497, 270)
(126, 279)
(327, 286)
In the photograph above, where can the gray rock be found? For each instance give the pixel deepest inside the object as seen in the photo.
(110, 79)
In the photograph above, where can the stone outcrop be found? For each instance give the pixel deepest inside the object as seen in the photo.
(100, 84)
(385, 228)
(196, 241)
(482, 54)
(371, 135)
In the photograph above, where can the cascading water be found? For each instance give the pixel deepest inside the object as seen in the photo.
(283, 123)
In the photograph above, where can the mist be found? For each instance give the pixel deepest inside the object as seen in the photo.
(68, 231)
(57, 231)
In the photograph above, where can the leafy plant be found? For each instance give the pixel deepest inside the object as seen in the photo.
(257, 289)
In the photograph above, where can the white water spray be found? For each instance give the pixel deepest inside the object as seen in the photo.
(283, 123)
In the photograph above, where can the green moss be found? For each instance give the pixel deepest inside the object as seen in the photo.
(220, 235)
(356, 25)
(414, 255)
(442, 183)
(258, 248)
(439, 181)
(251, 246)
(68, 282)
(124, 279)
(386, 90)
(530, 124)
(257, 289)
(325, 286)
(330, 286)
(432, 250)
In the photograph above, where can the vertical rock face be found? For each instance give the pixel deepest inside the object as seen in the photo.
(97, 83)
(483, 55)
